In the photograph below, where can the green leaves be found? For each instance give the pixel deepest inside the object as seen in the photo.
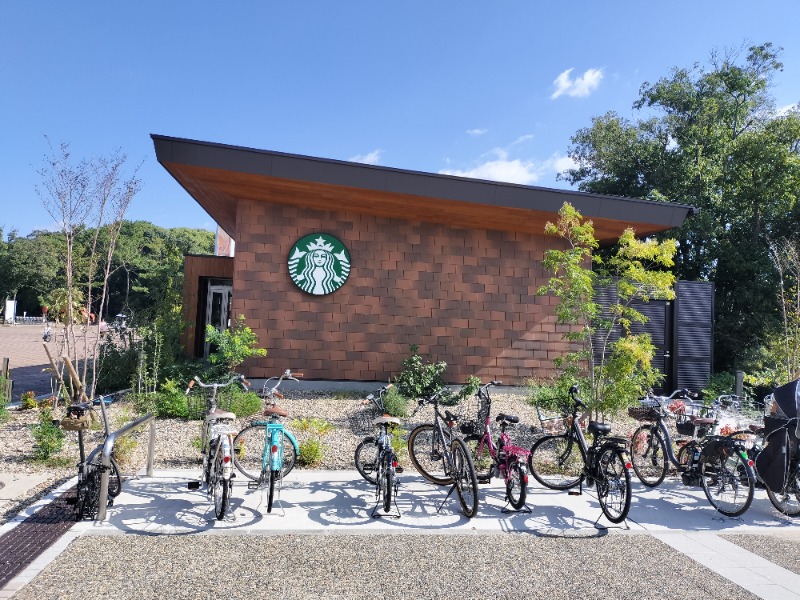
(233, 345)
(616, 372)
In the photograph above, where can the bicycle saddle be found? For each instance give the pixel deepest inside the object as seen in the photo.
(275, 410)
(218, 413)
(507, 418)
(601, 428)
(386, 419)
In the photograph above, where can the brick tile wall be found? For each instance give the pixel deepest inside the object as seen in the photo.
(463, 296)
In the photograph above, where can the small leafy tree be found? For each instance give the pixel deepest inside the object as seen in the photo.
(233, 345)
(611, 364)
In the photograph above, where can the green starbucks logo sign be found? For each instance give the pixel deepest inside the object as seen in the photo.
(319, 264)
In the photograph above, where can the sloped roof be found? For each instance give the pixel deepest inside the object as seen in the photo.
(217, 175)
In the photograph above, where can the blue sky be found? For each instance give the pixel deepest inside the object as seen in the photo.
(486, 89)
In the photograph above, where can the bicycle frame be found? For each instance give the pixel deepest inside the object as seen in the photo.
(272, 457)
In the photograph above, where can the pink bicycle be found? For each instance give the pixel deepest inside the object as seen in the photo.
(504, 459)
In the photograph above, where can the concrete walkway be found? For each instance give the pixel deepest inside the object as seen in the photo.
(340, 502)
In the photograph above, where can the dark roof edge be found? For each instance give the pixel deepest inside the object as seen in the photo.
(392, 179)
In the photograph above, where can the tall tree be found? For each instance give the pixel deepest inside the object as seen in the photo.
(711, 139)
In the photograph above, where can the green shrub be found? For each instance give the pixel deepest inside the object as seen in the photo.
(395, 404)
(48, 438)
(310, 452)
(171, 401)
(547, 395)
(4, 399)
(117, 368)
(28, 401)
(420, 379)
(244, 404)
(313, 425)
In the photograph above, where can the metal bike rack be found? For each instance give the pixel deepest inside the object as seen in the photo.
(108, 448)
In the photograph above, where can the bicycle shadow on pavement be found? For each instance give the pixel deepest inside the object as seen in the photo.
(164, 505)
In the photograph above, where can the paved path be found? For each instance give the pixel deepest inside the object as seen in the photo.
(340, 503)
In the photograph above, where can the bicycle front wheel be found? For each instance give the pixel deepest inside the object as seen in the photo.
(248, 452)
(787, 501)
(465, 478)
(614, 485)
(649, 455)
(515, 485)
(88, 501)
(556, 462)
(482, 460)
(728, 482)
(366, 457)
(220, 488)
(427, 454)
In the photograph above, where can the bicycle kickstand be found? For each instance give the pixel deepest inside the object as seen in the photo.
(452, 489)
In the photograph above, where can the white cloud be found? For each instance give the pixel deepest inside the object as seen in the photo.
(371, 158)
(476, 132)
(785, 110)
(508, 170)
(577, 88)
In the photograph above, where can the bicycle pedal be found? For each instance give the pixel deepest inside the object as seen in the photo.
(398, 469)
(574, 493)
(193, 485)
(484, 478)
(253, 485)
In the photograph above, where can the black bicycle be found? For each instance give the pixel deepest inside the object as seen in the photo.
(566, 461)
(91, 468)
(442, 457)
(720, 464)
(376, 460)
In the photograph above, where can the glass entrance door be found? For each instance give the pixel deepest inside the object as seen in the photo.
(218, 310)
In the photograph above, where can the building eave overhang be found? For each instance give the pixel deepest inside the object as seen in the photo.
(218, 176)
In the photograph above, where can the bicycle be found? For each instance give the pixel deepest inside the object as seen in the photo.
(216, 445)
(376, 460)
(265, 450)
(442, 457)
(47, 335)
(651, 447)
(505, 459)
(718, 463)
(79, 418)
(556, 464)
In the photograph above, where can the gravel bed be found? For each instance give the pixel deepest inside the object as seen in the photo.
(374, 566)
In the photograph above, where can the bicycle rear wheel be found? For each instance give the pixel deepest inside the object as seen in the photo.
(365, 458)
(728, 482)
(466, 480)
(787, 501)
(614, 485)
(427, 455)
(387, 482)
(249, 445)
(515, 485)
(556, 462)
(220, 489)
(649, 455)
(273, 476)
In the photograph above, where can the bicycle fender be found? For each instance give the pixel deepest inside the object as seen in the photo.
(292, 439)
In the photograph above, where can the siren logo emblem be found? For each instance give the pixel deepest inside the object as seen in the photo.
(319, 264)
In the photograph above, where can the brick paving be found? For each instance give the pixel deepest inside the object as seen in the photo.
(27, 360)
(20, 546)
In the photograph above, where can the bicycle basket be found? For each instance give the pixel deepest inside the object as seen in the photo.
(684, 424)
(643, 413)
(473, 412)
(552, 424)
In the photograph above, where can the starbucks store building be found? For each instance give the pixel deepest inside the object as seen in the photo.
(339, 268)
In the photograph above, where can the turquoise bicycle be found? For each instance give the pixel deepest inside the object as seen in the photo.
(265, 451)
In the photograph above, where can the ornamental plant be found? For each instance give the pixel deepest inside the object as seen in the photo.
(611, 364)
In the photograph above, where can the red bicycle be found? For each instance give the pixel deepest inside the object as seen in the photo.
(503, 459)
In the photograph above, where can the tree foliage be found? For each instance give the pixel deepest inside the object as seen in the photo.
(611, 363)
(710, 137)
